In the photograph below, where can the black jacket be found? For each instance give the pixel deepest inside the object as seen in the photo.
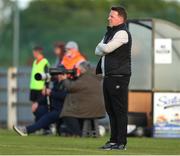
(58, 94)
(117, 62)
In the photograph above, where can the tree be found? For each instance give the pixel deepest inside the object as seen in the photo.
(46, 21)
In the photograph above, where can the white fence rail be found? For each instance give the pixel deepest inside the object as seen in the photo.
(15, 107)
(12, 97)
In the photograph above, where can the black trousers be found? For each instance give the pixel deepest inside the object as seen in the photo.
(115, 91)
(71, 126)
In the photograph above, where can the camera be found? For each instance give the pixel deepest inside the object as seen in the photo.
(56, 71)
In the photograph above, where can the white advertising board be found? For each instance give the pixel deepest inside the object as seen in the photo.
(163, 51)
(166, 115)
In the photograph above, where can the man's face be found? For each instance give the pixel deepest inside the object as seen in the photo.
(57, 51)
(115, 19)
(35, 54)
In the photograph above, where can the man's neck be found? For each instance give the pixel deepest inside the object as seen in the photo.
(39, 59)
(118, 24)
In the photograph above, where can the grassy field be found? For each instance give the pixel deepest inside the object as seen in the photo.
(10, 143)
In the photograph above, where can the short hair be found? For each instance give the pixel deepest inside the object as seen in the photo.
(60, 45)
(85, 65)
(121, 11)
(38, 48)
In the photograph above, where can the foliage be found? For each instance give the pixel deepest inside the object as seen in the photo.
(46, 21)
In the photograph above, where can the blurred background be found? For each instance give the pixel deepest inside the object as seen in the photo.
(26, 23)
(45, 21)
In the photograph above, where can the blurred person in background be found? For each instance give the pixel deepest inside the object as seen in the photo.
(59, 51)
(83, 101)
(57, 95)
(73, 56)
(40, 65)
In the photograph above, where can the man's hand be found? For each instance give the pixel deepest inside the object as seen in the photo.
(34, 107)
(46, 91)
(98, 51)
(62, 77)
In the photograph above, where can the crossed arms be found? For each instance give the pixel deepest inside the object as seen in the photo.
(120, 38)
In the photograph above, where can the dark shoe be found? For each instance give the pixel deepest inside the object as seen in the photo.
(118, 147)
(108, 145)
(20, 130)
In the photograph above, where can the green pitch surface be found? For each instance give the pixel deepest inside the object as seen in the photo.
(11, 143)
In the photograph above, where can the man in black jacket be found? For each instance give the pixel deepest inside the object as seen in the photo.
(115, 66)
(57, 95)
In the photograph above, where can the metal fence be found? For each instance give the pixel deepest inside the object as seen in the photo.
(14, 99)
(3, 96)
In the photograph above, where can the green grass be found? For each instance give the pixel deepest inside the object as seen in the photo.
(11, 143)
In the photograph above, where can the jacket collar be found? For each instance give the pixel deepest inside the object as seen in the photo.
(118, 27)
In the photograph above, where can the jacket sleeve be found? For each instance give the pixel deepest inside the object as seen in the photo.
(98, 51)
(46, 68)
(42, 100)
(73, 86)
(58, 95)
(120, 38)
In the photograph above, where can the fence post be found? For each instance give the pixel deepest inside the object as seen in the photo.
(12, 97)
